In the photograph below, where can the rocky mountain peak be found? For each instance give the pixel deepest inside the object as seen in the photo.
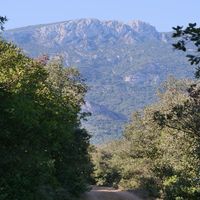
(144, 29)
(140, 26)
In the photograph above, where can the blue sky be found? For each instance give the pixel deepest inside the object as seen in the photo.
(163, 14)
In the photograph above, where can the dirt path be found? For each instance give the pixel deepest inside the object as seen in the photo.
(101, 193)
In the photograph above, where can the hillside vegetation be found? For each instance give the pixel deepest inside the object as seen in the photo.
(164, 162)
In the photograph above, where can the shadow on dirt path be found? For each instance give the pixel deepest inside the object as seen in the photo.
(105, 193)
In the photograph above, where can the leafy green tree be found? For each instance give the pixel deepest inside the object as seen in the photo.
(68, 86)
(185, 117)
(43, 149)
(189, 39)
(178, 167)
(105, 173)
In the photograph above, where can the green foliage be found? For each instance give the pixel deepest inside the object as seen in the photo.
(185, 116)
(43, 150)
(179, 187)
(161, 160)
(189, 38)
(104, 174)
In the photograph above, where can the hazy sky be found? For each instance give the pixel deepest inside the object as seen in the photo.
(161, 13)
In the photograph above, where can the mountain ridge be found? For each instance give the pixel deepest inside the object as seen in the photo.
(136, 21)
(94, 27)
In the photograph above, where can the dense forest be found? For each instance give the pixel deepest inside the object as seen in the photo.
(47, 155)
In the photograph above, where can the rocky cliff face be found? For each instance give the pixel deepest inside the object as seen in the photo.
(75, 31)
(123, 64)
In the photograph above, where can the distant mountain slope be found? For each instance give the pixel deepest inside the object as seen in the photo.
(123, 64)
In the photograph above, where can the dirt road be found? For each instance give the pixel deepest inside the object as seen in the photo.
(101, 193)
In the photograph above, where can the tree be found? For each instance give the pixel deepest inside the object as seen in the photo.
(182, 117)
(105, 173)
(189, 40)
(2, 22)
(185, 117)
(42, 145)
(162, 161)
